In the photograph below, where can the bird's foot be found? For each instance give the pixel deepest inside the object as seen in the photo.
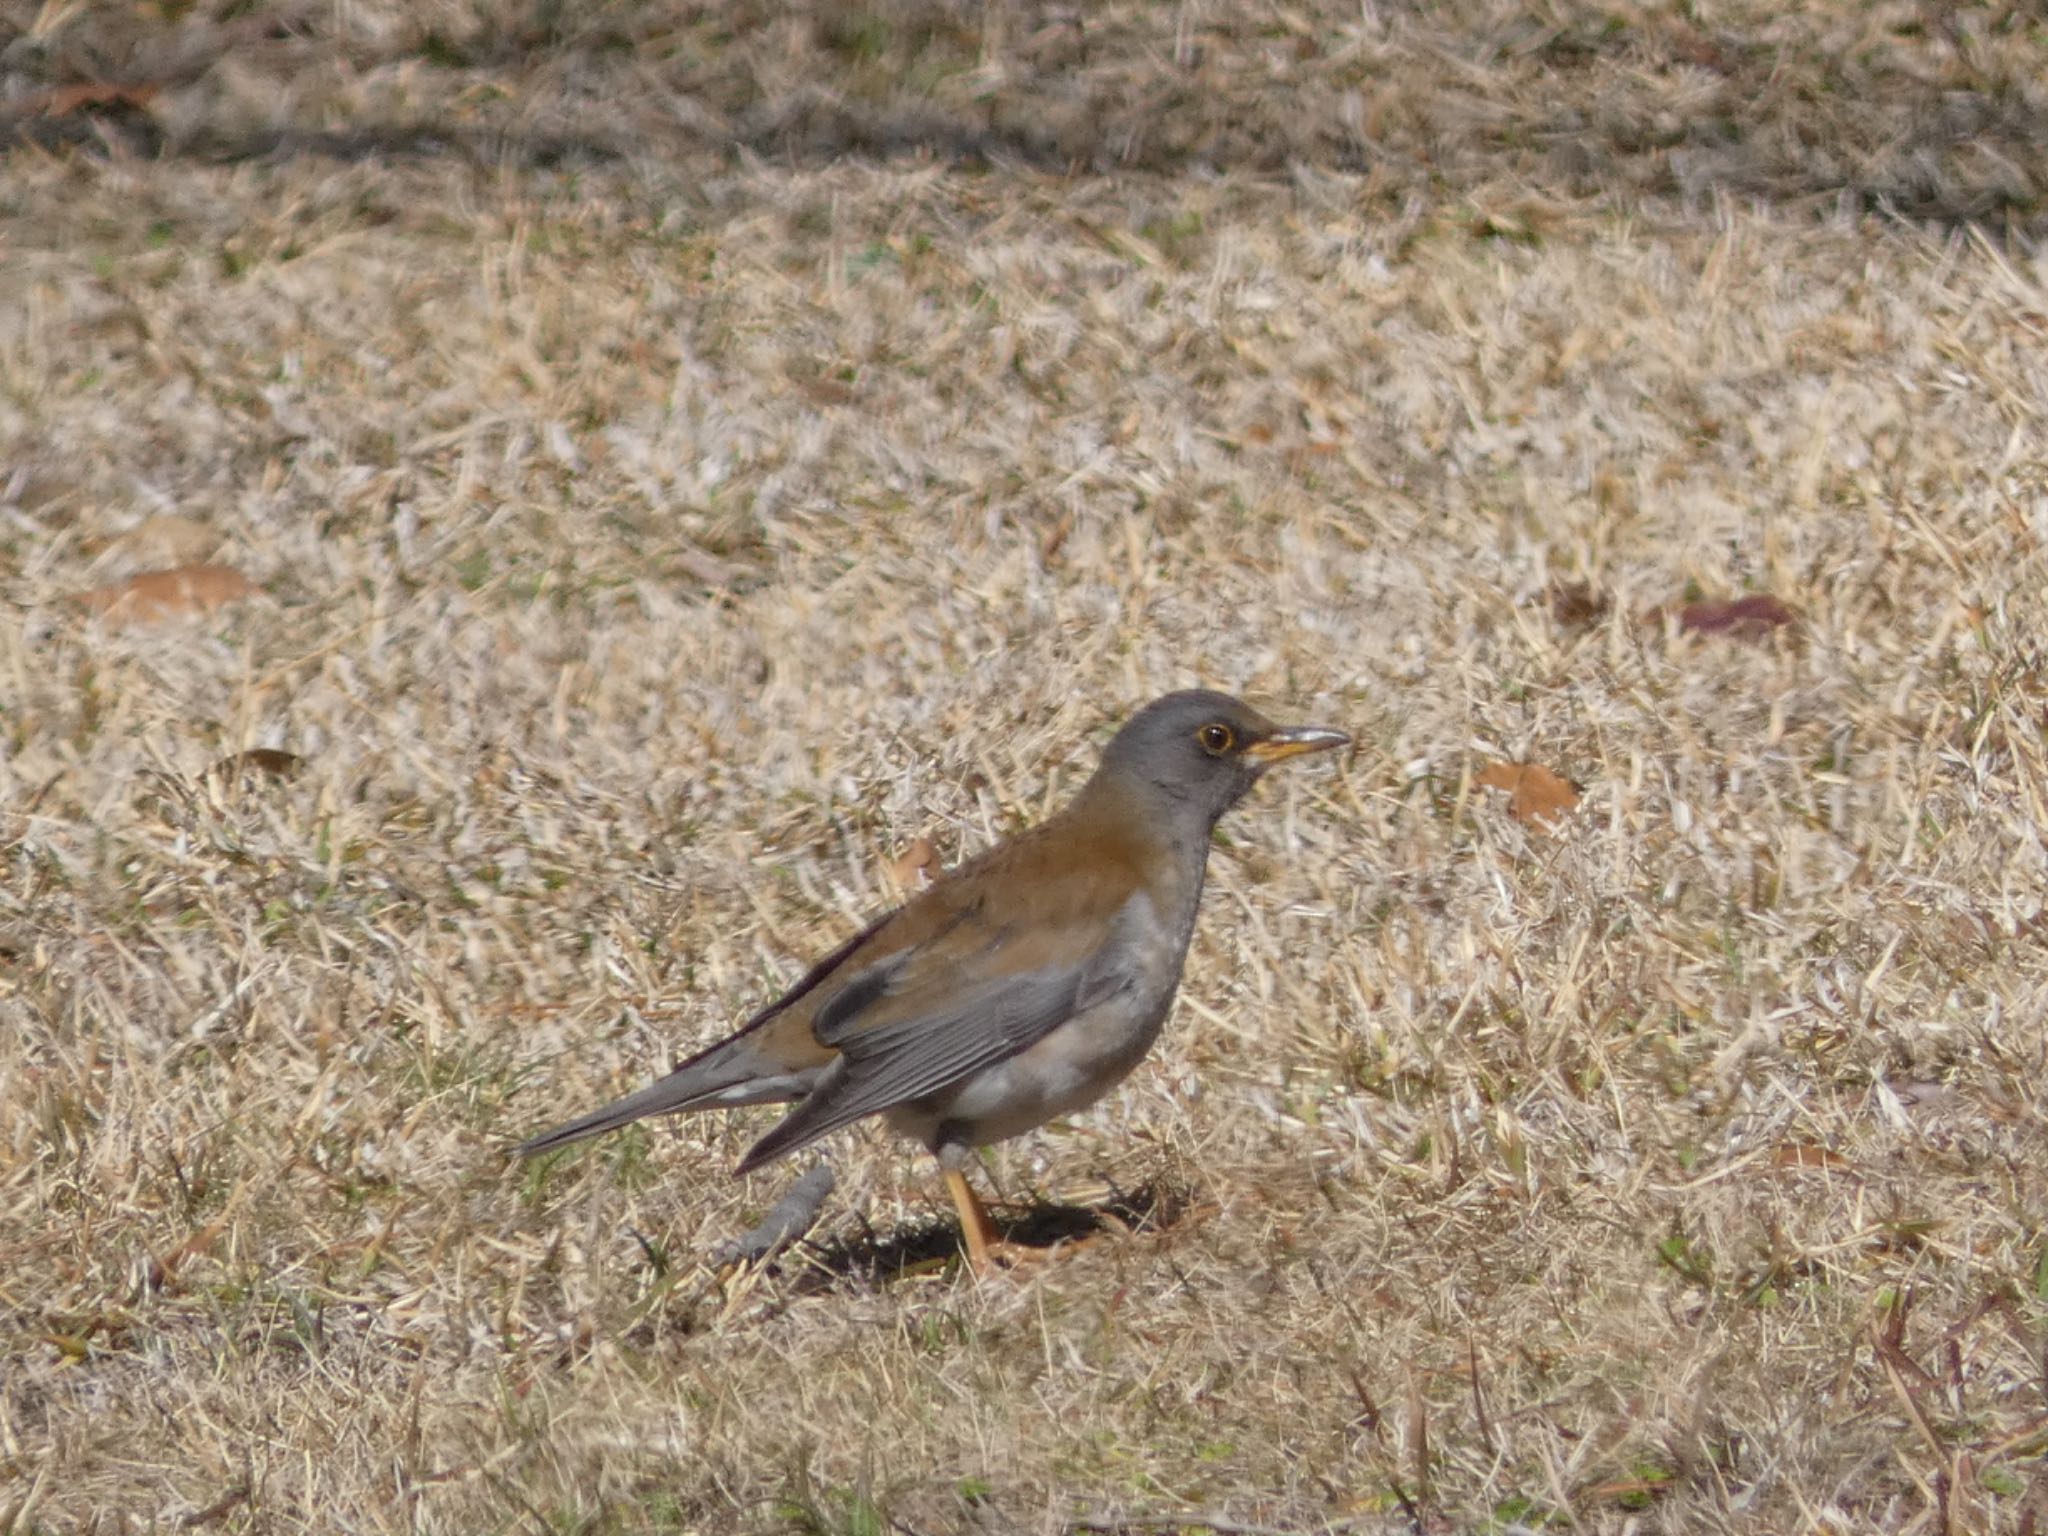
(996, 1254)
(988, 1251)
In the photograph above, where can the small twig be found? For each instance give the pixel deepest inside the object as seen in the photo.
(1408, 1506)
(1891, 1358)
(1368, 1408)
(1418, 1435)
(1479, 1398)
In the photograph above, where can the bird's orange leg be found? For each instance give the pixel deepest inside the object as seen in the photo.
(988, 1250)
(975, 1226)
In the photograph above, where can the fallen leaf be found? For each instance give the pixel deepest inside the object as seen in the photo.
(256, 763)
(1806, 1154)
(827, 391)
(161, 1272)
(1577, 604)
(1696, 47)
(157, 595)
(1051, 541)
(1633, 1487)
(916, 865)
(67, 99)
(1535, 794)
(1746, 618)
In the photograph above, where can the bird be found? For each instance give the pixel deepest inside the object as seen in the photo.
(1019, 987)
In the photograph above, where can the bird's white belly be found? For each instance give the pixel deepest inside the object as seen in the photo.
(1068, 1070)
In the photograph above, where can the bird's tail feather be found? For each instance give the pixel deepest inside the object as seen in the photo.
(793, 1130)
(718, 1079)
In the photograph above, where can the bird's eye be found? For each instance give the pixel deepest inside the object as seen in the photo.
(1216, 738)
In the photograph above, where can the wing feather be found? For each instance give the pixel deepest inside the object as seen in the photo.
(895, 1061)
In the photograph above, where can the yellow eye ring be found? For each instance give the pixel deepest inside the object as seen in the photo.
(1216, 738)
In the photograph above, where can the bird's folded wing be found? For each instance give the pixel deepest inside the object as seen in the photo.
(904, 1040)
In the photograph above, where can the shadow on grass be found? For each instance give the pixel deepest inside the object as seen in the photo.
(1939, 117)
(882, 1258)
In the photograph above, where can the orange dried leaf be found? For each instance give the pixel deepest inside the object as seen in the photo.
(1806, 1154)
(1743, 617)
(916, 865)
(1500, 776)
(157, 595)
(67, 99)
(1535, 794)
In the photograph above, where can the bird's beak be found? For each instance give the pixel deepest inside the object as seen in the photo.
(1293, 741)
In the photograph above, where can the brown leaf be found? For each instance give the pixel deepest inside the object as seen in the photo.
(1696, 47)
(67, 99)
(1633, 1487)
(916, 865)
(1535, 794)
(1054, 538)
(256, 763)
(1806, 1154)
(1746, 618)
(827, 391)
(1577, 604)
(161, 1272)
(157, 595)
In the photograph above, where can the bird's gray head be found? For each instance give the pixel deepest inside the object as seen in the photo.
(1199, 752)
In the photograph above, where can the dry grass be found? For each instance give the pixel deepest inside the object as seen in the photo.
(664, 521)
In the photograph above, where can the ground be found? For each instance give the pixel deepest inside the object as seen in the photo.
(684, 455)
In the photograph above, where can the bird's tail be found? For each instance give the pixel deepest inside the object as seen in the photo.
(730, 1073)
